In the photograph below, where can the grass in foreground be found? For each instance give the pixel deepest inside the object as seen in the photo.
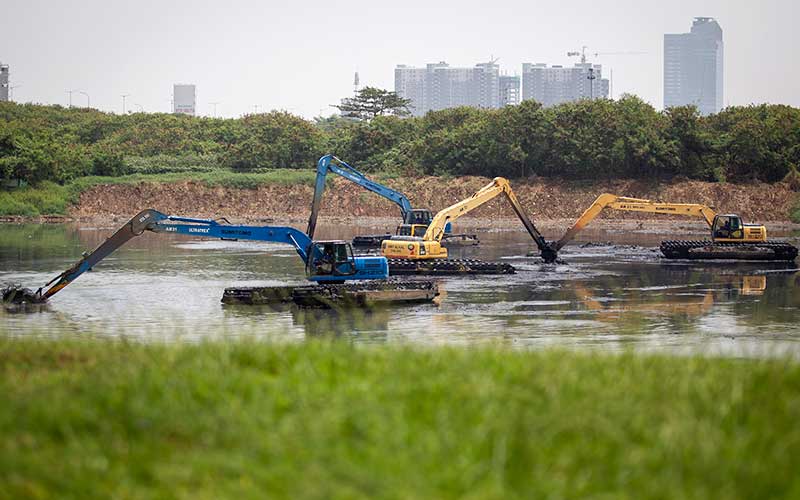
(54, 199)
(82, 419)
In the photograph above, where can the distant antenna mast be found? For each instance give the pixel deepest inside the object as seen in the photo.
(355, 84)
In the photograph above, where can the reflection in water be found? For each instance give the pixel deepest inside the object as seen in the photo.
(607, 296)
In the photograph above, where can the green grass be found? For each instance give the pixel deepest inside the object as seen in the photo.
(52, 199)
(99, 419)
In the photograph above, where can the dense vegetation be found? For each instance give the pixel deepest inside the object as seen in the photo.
(100, 419)
(626, 138)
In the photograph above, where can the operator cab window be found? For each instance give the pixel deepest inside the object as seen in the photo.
(333, 258)
(324, 258)
(343, 253)
(727, 227)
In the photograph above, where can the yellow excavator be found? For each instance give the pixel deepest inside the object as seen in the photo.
(730, 237)
(429, 247)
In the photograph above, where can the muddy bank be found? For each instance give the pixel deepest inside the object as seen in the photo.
(545, 200)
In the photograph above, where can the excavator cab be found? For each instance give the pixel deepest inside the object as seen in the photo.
(728, 226)
(416, 222)
(419, 216)
(417, 230)
(330, 258)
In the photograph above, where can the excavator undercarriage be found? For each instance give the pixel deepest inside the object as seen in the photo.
(705, 249)
(448, 267)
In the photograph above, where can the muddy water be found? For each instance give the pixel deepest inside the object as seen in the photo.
(615, 295)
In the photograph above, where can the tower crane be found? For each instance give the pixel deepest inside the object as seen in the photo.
(591, 76)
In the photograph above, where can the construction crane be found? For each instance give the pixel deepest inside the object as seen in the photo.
(582, 54)
(591, 76)
(429, 246)
(730, 237)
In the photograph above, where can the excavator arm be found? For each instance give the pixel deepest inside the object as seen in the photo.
(330, 163)
(499, 185)
(152, 220)
(615, 202)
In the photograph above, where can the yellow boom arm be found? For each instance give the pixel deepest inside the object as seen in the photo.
(607, 200)
(429, 247)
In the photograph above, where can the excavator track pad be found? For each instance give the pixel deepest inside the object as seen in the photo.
(774, 251)
(448, 267)
(366, 294)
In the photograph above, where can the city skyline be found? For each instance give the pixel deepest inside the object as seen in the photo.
(244, 57)
(440, 86)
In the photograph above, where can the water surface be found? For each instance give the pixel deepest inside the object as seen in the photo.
(615, 295)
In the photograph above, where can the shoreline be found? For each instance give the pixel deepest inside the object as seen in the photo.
(661, 225)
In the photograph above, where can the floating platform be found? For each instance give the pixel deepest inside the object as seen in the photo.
(366, 294)
(447, 267)
(705, 249)
(374, 240)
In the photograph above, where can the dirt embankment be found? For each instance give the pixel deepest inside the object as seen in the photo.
(543, 199)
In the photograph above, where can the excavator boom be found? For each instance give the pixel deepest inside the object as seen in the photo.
(333, 164)
(615, 202)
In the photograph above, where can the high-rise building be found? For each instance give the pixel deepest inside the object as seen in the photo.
(409, 83)
(487, 85)
(557, 84)
(693, 67)
(4, 85)
(184, 99)
(438, 86)
(509, 90)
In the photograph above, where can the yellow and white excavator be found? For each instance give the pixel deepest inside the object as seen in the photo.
(429, 246)
(730, 237)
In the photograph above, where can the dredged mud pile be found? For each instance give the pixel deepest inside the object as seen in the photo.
(543, 199)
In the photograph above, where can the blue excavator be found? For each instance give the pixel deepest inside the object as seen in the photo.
(326, 262)
(415, 220)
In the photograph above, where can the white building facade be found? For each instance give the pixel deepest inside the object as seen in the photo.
(184, 98)
(509, 90)
(438, 86)
(558, 84)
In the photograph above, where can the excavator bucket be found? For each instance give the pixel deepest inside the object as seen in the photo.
(15, 294)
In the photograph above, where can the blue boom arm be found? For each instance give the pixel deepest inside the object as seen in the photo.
(331, 163)
(155, 221)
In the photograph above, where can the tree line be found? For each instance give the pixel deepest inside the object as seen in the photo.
(600, 139)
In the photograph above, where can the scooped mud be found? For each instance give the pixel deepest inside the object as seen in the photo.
(16, 294)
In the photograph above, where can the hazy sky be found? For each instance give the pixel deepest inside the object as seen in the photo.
(300, 56)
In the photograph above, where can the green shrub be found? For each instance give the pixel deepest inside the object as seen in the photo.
(626, 138)
(795, 215)
(13, 205)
